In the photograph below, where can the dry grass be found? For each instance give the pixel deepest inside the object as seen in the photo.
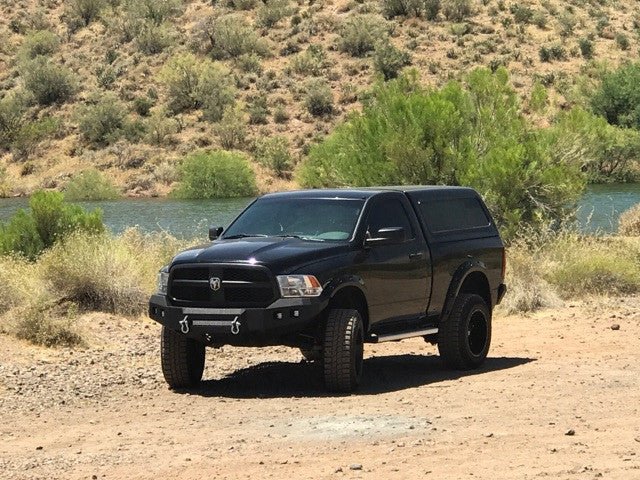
(629, 223)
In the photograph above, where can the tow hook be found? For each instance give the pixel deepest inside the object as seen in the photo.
(184, 325)
(235, 326)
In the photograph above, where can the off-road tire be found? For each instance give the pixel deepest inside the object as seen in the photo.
(464, 336)
(343, 350)
(182, 359)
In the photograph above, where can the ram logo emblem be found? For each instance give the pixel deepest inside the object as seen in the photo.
(215, 283)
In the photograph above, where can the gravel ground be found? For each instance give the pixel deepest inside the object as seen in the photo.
(558, 398)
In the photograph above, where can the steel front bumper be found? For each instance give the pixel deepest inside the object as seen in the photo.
(238, 326)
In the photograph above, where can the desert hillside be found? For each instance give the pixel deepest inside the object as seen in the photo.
(132, 87)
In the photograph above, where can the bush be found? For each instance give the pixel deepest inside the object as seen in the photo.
(159, 128)
(90, 185)
(49, 219)
(30, 135)
(20, 283)
(271, 12)
(232, 129)
(319, 98)
(274, 154)
(48, 82)
(389, 60)
(629, 223)
(622, 41)
(312, 61)
(618, 97)
(456, 10)
(103, 122)
(98, 272)
(12, 110)
(153, 39)
(85, 11)
(360, 34)
(521, 13)
(407, 8)
(554, 52)
(539, 98)
(38, 43)
(258, 110)
(458, 135)
(431, 9)
(216, 174)
(153, 11)
(194, 83)
(229, 36)
(42, 324)
(586, 48)
(604, 152)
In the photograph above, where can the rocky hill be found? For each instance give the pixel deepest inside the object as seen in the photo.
(130, 87)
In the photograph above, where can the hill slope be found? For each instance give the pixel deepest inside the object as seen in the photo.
(131, 87)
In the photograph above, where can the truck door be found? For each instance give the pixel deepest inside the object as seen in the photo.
(397, 276)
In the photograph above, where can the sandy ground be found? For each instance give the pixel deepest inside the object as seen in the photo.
(559, 398)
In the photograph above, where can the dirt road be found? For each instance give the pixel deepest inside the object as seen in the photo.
(559, 398)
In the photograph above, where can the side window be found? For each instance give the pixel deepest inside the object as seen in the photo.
(389, 213)
(453, 214)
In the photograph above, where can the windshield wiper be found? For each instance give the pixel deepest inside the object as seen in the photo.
(244, 235)
(300, 238)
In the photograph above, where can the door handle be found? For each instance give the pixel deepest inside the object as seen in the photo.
(415, 256)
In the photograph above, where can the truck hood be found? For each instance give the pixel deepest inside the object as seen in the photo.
(280, 255)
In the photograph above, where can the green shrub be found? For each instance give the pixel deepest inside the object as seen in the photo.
(48, 220)
(622, 41)
(153, 11)
(30, 135)
(458, 135)
(539, 98)
(230, 36)
(194, 83)
(360, 33)
(216, 174)
(142, 105)
(586, 48)
(540, 19)
(456, 10)
(104, 121)
(48, 82)
(20, 283)
(12, 111)
(159, 128)
(90, 185)
(240, 4)
(406, 8)
(153, 39)
(521, 13)
(318, 98)
(567, 23)
(38, 43)
(389, 60)
(85, 11)
(271, 12)
(312, 61)
(618, 97)
(232, 129)
(553, 52)
(431, 9)
(274, 154)
(258, 110)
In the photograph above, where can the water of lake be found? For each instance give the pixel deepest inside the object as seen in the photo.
(599, 210)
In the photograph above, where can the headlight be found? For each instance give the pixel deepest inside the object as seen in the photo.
(299, 286)
(163, 280)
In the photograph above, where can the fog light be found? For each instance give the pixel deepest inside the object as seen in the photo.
(279, 315)
(295, 313)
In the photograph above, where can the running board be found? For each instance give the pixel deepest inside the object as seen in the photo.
(399, 336)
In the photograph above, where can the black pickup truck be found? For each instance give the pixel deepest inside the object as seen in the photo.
(327, 270)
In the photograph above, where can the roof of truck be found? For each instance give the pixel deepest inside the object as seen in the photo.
(366, 192)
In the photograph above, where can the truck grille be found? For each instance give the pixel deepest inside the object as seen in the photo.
(240, 286)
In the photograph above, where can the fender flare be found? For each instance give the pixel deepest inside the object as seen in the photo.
(472, 265)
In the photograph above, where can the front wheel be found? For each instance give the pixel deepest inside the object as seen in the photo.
(465, 336)
(182, 359)
(343, 350)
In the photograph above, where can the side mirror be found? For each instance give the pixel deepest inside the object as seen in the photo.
(215, 232)
(387, 236)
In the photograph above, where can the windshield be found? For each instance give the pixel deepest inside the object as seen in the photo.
(317, 219)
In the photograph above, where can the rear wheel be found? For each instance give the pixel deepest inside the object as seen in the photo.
(343, 350)
(182, 359)
(465, 336)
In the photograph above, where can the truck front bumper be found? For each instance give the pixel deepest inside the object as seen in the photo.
(239, 326)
